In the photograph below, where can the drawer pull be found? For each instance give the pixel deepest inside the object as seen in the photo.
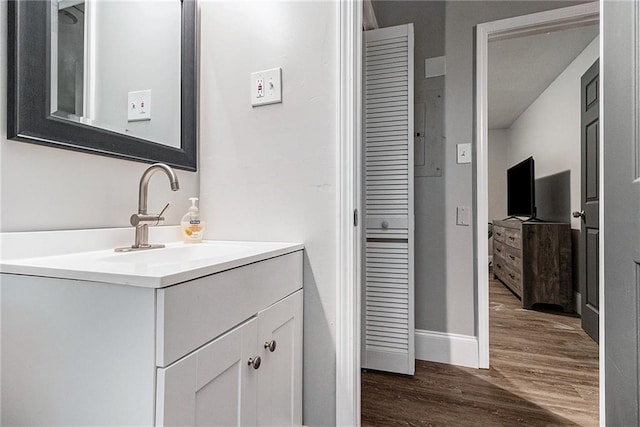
(271, 345)
(512, 257)
(512, 276)
(385, 224)
(255, 362)
(499, 266)
(498, 250)
(498, 234)
(511, 238)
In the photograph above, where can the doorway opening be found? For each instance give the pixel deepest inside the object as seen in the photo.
(559, 186)
(540, 22)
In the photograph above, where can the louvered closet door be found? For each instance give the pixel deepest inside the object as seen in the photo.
(388, 126)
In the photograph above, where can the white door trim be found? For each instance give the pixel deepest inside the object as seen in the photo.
(505, 28)
(348, 250)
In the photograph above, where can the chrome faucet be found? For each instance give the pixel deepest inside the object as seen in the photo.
(142, 219)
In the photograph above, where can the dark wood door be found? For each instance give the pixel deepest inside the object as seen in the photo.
(590, 208)
(621, 199)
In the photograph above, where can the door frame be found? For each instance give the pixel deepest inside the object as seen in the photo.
(508, 28)
(348, 194)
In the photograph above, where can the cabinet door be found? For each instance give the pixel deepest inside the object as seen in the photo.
(212, 386)
(280, 380)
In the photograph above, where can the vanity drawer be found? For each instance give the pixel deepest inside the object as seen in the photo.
(193, 313)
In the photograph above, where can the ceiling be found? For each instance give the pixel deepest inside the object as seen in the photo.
(520, 69)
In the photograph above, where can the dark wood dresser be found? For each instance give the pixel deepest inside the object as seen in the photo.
(533, 259)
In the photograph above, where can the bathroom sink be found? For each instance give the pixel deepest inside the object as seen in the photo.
(155, 268)
(178, 253)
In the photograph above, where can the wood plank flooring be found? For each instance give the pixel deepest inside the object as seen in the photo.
(544, 372)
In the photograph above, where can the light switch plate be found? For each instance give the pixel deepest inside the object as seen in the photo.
(434, 67)
(266, 87)
(464, 153)
(462, 215)
(139, 105)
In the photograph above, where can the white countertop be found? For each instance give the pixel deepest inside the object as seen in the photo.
(153, 268)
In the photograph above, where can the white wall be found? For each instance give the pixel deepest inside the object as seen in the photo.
(138, 48)
(497, 163)
(269, 173)
(43, 188)
(497, 176)
(549, 129)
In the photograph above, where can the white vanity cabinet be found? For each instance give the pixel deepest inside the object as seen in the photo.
(213, 386)
(170, 351)
(280, 374)
(250, 376)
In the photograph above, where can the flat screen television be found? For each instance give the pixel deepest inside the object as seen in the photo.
(521, 189)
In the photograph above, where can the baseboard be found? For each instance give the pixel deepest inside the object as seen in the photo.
(453, 349)
(577, 302)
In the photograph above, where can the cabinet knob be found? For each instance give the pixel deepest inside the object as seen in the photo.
(271, 345)
(255, 362)
(385, 224)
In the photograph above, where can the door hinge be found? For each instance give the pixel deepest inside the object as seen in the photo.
(355, 217)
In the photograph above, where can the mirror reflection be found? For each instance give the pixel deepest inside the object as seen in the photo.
(115, 65)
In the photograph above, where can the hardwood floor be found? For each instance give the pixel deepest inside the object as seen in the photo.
(544, 372)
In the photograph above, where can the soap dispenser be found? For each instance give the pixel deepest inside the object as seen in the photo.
(192, 226)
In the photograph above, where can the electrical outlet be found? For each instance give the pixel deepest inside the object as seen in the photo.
(260, 87)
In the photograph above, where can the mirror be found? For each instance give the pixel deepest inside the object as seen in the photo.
(115, 78)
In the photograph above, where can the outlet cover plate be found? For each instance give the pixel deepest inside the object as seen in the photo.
(464, 153)
(462, 215)
(139, 105)
(266, 87)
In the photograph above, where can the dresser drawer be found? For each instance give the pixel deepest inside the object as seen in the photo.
(512, 257)
(513, 237)
(509, 254)
(498, 233)
(510, 277)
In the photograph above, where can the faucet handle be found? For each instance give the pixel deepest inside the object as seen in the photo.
(160, 218)
(138, 220)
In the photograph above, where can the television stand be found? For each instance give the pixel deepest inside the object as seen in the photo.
(533, 259)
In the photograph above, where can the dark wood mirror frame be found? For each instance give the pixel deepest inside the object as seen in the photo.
(28, 94)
